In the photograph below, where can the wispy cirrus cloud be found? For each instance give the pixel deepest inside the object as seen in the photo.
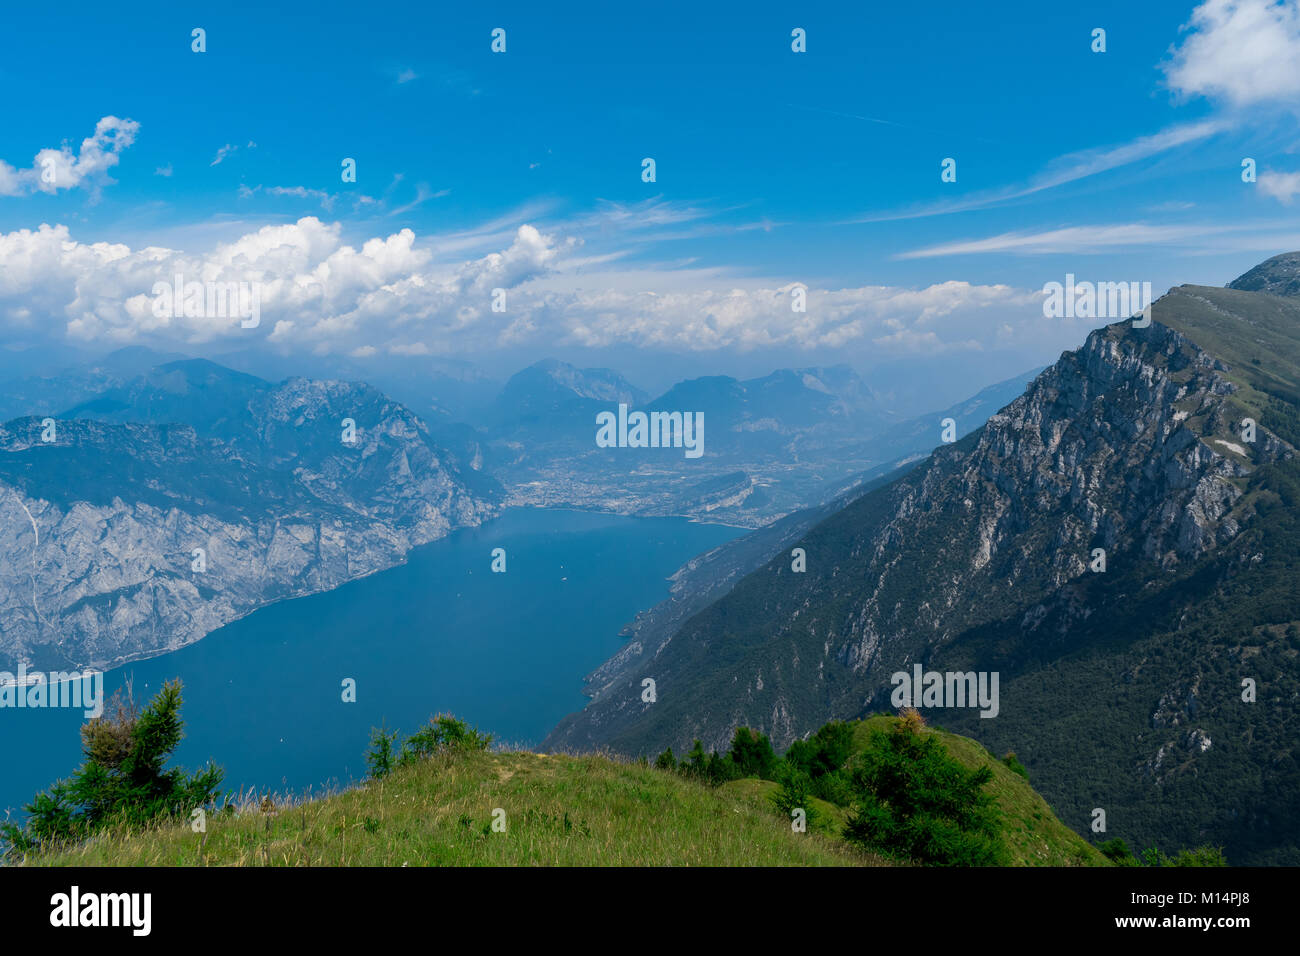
(1237, 53)
(423, 193)
(226, 150)
(326, 199)
(1116, 237)
(222, 153)
(1069, 168)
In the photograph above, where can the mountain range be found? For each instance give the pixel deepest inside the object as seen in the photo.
(144, 519)
(1115, 537)
(157, 465)
(1118, 544)
(773, 445)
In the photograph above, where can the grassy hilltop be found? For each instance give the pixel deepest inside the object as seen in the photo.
(558, 811)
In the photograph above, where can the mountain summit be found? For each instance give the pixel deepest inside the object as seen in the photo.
(1277, 276)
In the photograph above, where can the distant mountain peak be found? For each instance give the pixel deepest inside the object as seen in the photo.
(600, 384)
(186, 373)
(1277, 276)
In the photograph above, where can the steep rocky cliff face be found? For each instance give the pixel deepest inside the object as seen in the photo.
(102, 523)
(1128, 445)
(711, 576)
(986, 557)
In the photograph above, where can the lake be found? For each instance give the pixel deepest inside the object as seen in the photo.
(440, 634)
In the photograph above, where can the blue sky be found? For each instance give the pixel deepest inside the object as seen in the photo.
(773, 168)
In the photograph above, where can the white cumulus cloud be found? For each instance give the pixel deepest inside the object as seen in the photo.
(394, 295)
(1244, 52)
(55, 169)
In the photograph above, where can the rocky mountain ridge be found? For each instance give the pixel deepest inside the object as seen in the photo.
(1115, 543)
(131, 538)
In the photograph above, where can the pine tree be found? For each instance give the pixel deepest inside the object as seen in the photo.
(122, 781)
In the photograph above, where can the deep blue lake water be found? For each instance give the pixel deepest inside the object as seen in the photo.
(442, 633)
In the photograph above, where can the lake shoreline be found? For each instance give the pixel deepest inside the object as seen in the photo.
(439, 632)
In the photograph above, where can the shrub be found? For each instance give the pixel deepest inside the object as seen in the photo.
(379, 758)
(796, 793)
(123, 780)
(1201, 856)
(834, 745)
(442, 735)
(718, 769)
(834, 788)
(666, 760)
(799, 756)
(752, 754)
(913, 800)
(696, 762)
(1015, 765)
(824, 752)
(1118, 851)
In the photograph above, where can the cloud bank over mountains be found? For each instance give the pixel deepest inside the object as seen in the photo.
(394, 294)
(661, 275)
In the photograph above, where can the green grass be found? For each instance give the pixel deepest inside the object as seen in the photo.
(828, 818)
(560, 811)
